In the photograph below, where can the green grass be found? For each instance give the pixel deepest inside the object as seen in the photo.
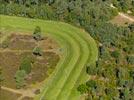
(79, 49)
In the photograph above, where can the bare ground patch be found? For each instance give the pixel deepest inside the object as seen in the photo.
(121, 21)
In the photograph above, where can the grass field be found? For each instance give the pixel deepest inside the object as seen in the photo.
(78, 48)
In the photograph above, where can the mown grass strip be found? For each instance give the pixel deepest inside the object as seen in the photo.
(77, 68)
(66, 69)
(74, 94)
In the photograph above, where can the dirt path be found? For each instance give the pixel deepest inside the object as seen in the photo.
(21, 51)
(24, 93)
(122, 14)
(11, 90)
(126, 16)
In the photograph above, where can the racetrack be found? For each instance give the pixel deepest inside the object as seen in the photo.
(78, 48)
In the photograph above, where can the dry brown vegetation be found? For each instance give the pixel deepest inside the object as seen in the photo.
(19, 46)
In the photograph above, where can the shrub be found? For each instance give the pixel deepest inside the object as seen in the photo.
(115, 54)
(91, 70)
(5, 44)
(131, 72)
(20, 78)
(82, 88)
(91, 84)
(130, 59)
(131, 27)
(37, 51)
(37, 33)
(26, 65)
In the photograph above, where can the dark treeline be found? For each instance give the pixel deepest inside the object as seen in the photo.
(114, 72)
(86, 13)
(76, 11)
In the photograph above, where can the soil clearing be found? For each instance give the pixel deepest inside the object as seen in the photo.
(121, 21)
